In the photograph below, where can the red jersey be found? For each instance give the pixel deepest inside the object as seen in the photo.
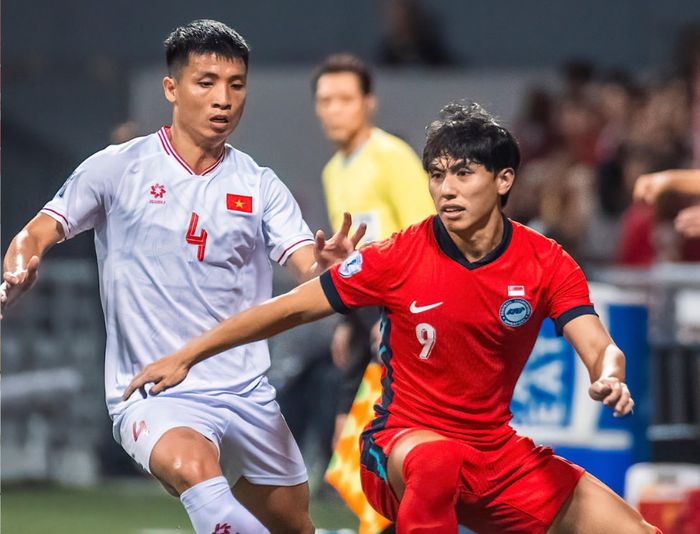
(456, 334)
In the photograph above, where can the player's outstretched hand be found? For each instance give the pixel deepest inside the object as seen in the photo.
(614, 394)
(18, 282)
(329, 252)
(165, 373)
(648, 187)
(688, 221)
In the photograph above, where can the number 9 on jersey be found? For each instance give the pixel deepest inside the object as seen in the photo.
(426, 337)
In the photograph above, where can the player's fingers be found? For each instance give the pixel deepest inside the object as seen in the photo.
(612, 398)
(320, 238)
(599, 390)
(33, 264)
(137, 382)
(622, 401)
(623, 409)
(347, 223)
(11, 278)
(358, 235)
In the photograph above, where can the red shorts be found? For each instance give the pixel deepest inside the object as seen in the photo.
(518, 487)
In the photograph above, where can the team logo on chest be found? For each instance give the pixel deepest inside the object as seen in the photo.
(515, 312)
(157, 193)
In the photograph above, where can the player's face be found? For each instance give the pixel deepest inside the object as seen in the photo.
(466, 193)
(208, 96)
(342, 107)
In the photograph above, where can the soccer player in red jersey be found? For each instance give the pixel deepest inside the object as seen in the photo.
(464, 294)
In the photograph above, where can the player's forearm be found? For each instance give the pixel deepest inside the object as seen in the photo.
(683, 181)
(37, 237)
(609, 364)
(21, 249)
(303, 304)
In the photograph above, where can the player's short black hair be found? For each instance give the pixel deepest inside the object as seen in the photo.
(344, 63)
(203, 37)
(465, 131)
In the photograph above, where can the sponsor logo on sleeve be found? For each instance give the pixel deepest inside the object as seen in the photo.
(352, 265)
(515, 312)
(62, 191)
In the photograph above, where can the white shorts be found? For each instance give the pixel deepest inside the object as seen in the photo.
(249, 430)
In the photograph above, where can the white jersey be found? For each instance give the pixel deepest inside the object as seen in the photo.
(179, 252)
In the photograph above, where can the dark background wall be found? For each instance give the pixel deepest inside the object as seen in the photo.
(505, 33)
(67, 65)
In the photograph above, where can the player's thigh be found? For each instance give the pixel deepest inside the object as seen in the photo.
(177, 437)
(594, 508)
(400, 450)
(182, 458)
(282, 509)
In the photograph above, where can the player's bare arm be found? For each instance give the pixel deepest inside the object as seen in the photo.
(604, 360)
(21, 263)
(310, 261)
(303, 304)
(649, 186)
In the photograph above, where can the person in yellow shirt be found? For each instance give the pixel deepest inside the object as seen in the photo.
(379, 179)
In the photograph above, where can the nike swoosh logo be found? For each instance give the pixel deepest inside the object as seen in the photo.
(419, 309)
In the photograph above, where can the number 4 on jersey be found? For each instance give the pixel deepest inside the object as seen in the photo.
(194, 239)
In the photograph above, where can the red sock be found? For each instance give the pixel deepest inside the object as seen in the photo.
(432, 475)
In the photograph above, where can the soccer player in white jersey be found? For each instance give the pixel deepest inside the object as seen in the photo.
(185, 226)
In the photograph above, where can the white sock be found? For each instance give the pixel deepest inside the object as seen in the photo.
(214, 510)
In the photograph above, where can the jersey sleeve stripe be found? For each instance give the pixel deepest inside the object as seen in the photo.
(58, 217)
(571, 314)
(332, 293)
(292, 248)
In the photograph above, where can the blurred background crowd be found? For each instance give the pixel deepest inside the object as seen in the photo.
(597, 93)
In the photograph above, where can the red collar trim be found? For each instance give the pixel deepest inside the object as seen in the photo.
(170, 151)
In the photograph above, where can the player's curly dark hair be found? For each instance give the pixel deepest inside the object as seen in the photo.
(203, 36)
(465, 131)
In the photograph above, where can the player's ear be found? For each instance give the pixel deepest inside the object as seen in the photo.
(372, 104)
(169, 85)
(504, 180)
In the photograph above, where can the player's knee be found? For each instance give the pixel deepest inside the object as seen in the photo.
(637, 525)
(646, 528)
(434, 469)
(183, 473)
